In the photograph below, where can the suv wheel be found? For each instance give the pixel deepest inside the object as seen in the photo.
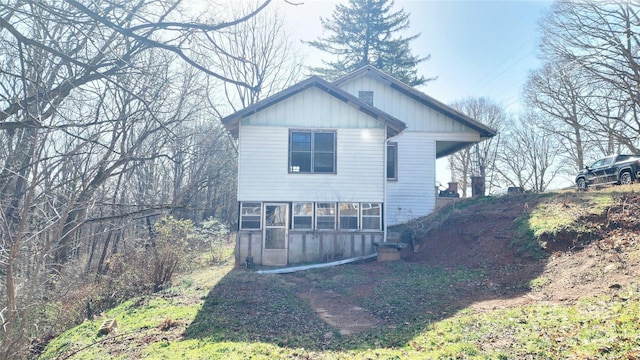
(582, 185)
(625, 178)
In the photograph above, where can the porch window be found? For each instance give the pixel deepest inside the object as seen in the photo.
(325, 216)
(250, 215)
(312, 152)
(349, 216)
(371, 215)
(302, 215)
(392, 161)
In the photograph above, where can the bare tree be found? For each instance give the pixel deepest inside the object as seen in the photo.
(528, 159)
(600, 40)
(92, 109)
(479, 160)
(271, 62)
(557, 91)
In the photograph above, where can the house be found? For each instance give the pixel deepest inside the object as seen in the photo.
(324, 168)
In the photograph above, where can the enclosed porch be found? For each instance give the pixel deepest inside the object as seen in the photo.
(305, 247)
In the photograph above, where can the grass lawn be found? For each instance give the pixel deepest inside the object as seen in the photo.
(247, 315)
(418, 309)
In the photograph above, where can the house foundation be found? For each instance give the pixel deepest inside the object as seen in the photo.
(309, 246)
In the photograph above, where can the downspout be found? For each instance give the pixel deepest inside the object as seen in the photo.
(293, 269)
(384, 186)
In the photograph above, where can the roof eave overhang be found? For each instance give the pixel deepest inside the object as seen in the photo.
(394, 125)
(484, 131)
(455, 149)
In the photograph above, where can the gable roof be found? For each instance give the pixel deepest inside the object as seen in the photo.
(485, 131)
(394, 125)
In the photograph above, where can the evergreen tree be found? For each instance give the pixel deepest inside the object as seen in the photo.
(365, 32)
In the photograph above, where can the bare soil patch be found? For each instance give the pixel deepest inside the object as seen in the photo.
(338, 311)
(479, 238)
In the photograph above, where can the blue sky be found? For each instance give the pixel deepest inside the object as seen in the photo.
(478, 48)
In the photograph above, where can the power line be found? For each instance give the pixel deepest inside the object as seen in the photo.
(490, 75)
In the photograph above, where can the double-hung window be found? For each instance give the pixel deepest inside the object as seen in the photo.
(392, 161)
(312, 152)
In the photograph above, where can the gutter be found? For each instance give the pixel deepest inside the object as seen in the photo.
(316, 266)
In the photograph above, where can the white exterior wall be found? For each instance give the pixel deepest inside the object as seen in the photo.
(414, 193)
(264, 152)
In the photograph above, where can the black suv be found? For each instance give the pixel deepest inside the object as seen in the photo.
(615, 169)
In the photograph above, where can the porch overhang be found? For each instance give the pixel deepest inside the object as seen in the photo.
(446, 148)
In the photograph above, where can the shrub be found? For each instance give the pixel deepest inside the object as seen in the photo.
(170, 249)
(213, 236)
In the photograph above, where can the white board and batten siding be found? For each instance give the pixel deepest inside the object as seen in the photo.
(264, 152)
(416, 115)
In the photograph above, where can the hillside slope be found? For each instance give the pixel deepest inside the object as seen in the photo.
(550, 276)
(588, 243)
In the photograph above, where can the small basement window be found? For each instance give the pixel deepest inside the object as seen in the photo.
(250, 215)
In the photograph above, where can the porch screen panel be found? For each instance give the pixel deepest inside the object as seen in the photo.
(349, 216)
(302, 215)
(250, 214)
(371, 215)
(325, 216)
(275, 238)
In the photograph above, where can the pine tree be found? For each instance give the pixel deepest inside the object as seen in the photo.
(365, 32)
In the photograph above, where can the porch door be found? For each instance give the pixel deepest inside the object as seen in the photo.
(276, 240)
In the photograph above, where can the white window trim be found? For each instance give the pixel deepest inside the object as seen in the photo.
(293, 215)
(356, 216)
(243, 215)
(335, 219)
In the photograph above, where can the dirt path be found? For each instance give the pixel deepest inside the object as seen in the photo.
(339, 312)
